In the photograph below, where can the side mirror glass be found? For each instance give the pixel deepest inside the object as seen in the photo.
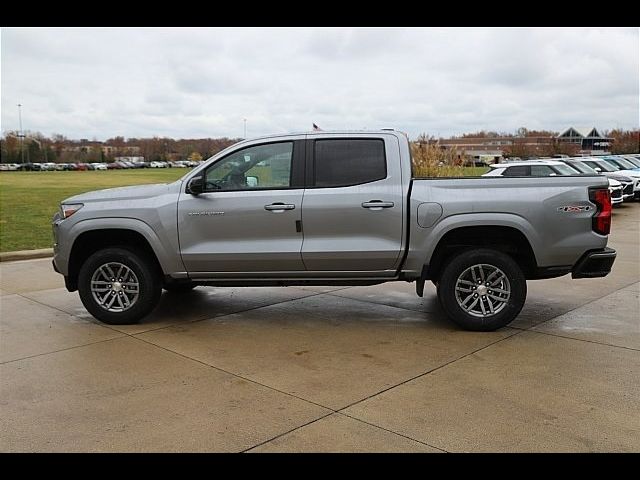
(252, 181)
(195, 186)
(598, 169)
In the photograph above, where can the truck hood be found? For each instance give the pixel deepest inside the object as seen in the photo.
(119, 193)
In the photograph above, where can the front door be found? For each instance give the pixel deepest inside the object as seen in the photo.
(247, 218)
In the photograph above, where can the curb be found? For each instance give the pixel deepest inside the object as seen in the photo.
(26, 254)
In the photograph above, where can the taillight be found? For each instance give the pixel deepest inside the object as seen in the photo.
(601, 221)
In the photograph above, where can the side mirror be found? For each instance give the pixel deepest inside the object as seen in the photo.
(598, 169)
(252, 181)
(195, 186)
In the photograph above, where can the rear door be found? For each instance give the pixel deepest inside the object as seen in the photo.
(353, 209)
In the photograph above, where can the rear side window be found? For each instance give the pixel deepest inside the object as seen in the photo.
(519, 171)
(344, 162)
(541, 171)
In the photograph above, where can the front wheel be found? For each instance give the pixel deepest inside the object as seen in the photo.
(482, 290)
(119, 286)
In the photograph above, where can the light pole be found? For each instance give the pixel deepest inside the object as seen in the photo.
(245, 128)
(21, 135)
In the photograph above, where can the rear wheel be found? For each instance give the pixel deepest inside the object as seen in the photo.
(482, 290)
(119, 286)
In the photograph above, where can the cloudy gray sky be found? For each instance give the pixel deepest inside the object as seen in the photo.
(194, 82)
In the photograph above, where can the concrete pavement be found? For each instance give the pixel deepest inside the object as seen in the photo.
(324, 369)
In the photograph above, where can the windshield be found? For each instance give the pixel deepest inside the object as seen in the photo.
(633, 160)
(564, 169)
(624, 164)
(582, 167)
(602, 165)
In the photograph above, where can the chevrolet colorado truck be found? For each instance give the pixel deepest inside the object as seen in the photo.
(332, 208)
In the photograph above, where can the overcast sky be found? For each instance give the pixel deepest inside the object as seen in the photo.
(202, 82)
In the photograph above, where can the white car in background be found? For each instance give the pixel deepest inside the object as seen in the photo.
(611, 170)
(49, 166)
(549, 168)
(615, 188)
(530, 168)
(626, 183)
(100, 166)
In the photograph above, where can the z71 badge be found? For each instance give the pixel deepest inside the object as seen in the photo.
(575, 208)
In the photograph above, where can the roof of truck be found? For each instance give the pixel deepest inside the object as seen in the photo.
(330, 132)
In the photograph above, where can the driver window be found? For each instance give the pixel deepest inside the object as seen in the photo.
(261, 166)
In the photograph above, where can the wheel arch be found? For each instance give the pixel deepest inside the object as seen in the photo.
(91, 240)
(504, 238)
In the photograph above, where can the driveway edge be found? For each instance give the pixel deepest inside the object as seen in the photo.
(26, 254)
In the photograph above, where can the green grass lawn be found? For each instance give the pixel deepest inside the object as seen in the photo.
(28, 200)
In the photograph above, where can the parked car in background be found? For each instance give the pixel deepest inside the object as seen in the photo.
(179, 164)
(611, 170)
(48, 166)
(626, 183)
(30, 167)
(158, 164)
(551, 168)
(615, 188)
(620, 162)
(530, 168)
(9, 167)
(633, 160)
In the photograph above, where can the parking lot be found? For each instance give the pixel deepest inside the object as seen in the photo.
(324, 369)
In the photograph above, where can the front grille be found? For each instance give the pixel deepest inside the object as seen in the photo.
(616, 193)
(628, 188)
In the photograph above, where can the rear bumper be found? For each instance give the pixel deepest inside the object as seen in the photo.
(595, 263)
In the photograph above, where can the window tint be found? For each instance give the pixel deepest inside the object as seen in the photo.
(261, 166)
(519, 171)
(541, 171)
(344, 162)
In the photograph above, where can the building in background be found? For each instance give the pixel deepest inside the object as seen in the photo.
(588, 139)
(494, 148)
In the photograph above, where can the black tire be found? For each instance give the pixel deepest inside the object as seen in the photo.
(179, 287)
(460, 264)
(150, 285)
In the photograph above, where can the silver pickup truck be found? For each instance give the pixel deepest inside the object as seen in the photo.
(332, 208)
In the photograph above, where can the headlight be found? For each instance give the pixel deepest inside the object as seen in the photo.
(66, 210)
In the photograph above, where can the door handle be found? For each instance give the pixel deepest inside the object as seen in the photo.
(377, 204)
(279, 207)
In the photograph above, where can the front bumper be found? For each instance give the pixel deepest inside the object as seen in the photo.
(594, 263)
